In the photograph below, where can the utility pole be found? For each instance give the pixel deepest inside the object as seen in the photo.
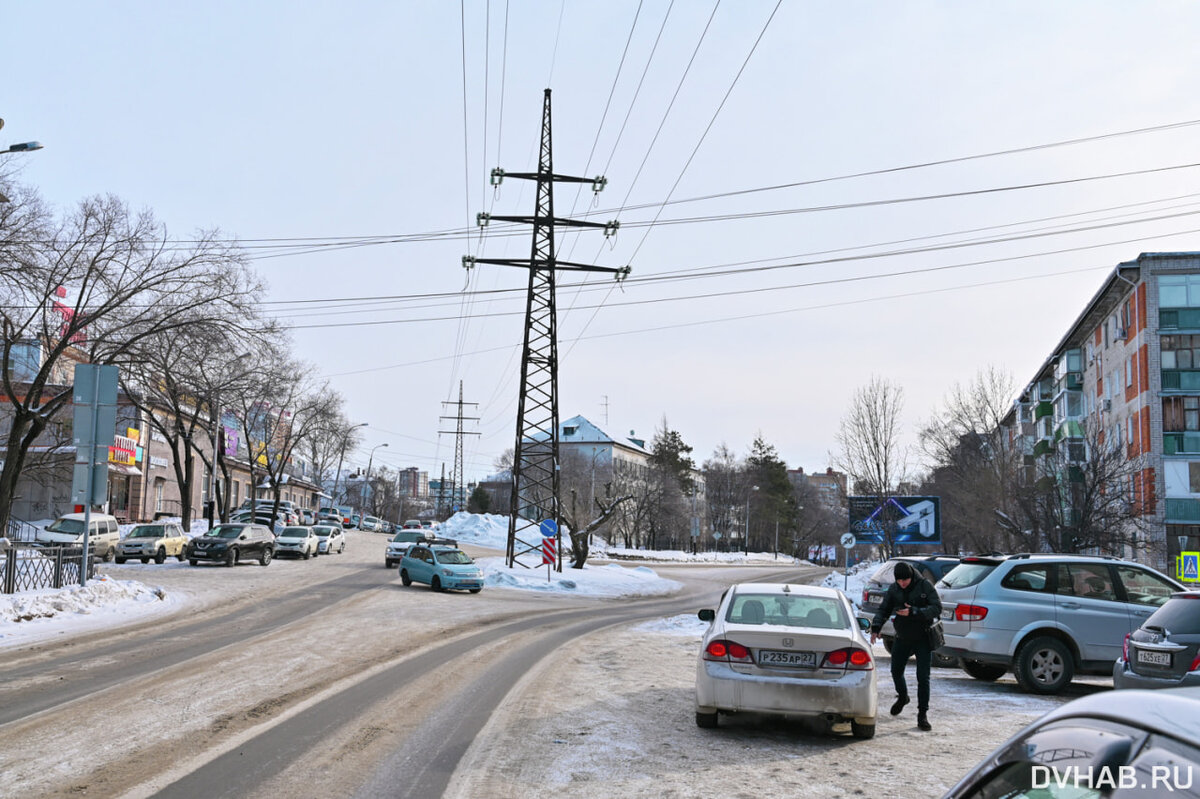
(458, 500)
(535, 469)
(441, 493)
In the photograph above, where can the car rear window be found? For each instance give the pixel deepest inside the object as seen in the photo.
(965, 575)
(787, 610)
(1180, 615)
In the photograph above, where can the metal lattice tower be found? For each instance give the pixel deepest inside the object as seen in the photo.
(535, 454)
(459, 498)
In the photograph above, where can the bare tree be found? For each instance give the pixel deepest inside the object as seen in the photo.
(724, 482)
(90, 289)
(871, 453)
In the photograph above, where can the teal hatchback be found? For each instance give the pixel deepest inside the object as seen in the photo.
(441, 567)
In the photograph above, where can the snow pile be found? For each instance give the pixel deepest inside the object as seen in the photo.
(685, 624)
(101, 603)
(482, 529)
(677, 556)
(599, 581)
(852, 585)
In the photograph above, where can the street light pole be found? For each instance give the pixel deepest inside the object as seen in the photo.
(341, 457)
(367, 483)
(746, 534)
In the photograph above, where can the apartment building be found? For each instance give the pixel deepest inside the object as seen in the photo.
(1127, 376)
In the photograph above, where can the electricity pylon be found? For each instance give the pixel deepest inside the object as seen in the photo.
(458, 500)
(535, 469)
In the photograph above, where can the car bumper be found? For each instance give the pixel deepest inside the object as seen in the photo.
(1124, 677)
(288, 551)
(977, 646)
(462, 583)
(851, 696)
(209, 555)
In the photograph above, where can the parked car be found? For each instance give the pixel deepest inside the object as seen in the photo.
(1165, 651)
(786, 650)
(230, 543)
(330, 538)
(158, 541)
(441, 567)
(1047, 617)
(413, 524)
(1112, 744)
(356, 521)
(371, 524)
(429, 524)
(307, 517)
(67, 531)
(399, 545)
(297, 540)
(931, 567)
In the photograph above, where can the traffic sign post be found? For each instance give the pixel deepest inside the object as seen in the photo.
(848, 541)
(549, 545)
(1189, 570)
(95, 422)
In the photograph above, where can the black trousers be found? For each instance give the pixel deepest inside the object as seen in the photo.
(902, 650)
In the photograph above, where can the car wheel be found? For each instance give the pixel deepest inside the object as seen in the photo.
(1044, 666)
(192, 561)
(231, 559)
(887, 643)
(109, 555)
(264, 557)
(160, 556)
(387, 564)
(863, 731)
(706, 720)
(436, 583)
(343, 548)
(988, 672)
(474, 590)
(307, 555)
(404, 578)
(182, 556)
(144, 560)
(120, 560)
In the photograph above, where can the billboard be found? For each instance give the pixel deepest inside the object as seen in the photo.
(900, 520)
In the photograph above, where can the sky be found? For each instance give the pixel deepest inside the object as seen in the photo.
(332, 140)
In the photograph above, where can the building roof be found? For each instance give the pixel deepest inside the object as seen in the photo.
(588, 432)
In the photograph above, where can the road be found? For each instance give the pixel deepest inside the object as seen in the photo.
(318, 678)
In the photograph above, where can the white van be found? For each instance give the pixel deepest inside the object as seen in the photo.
(68, 531)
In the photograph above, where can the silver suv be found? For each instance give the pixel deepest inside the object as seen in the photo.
(1045, 616)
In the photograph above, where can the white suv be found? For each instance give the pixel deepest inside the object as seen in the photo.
(1045, 616)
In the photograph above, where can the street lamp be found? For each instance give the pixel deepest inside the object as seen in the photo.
(746, 534)
(338, 473)
(23, 147)
(367, 484)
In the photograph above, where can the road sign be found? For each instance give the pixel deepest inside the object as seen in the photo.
(717, 536)
(549, 550)
(1191, 566)
(549, 528)
(848, 540)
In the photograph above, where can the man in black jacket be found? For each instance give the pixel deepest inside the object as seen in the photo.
(915, 605)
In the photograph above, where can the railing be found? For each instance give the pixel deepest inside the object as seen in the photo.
(25, 568)
(20, 531)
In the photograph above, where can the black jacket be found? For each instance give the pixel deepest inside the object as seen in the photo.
(921, 597)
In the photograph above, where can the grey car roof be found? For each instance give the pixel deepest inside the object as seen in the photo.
(1174, 712)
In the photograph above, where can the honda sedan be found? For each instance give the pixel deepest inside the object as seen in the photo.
(786, 650)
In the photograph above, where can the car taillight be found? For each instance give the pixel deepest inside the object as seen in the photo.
(1195, 664)
(1125, 648)
(849, 658)
(864, 596)
(970, 613)
(729, 651)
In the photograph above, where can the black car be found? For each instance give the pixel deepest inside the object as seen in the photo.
(1112, 744)
(230, 543)
(931, 567)
(1165, 651)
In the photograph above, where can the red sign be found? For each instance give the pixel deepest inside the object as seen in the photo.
(549, 551)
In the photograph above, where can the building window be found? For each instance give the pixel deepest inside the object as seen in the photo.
(1180, 352)
(1179, 291)
(1181, 414)
(1194, 477)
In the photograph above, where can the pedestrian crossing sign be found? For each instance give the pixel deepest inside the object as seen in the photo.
(1189, 566)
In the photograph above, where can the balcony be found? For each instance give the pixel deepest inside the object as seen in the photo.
(1181, 380)
(1068, 429)
(1043, 408)
(1181, 443)
(1179, 318)
(1182, 511)
(1043, 447)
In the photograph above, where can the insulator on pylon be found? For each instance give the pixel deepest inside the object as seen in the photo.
(610, 228)
(497, 176)
(482, 218)
(623, 273)
(598, 183)
(468, 262)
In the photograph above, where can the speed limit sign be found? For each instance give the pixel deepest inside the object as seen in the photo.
(848, 540)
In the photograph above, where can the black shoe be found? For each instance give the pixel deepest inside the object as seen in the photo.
(898, 705)
(923, 723)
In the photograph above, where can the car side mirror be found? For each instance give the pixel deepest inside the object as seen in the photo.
(707, 614)
(864, 624)
(242, 537)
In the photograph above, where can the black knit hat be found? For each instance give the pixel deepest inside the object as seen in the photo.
(903, 571)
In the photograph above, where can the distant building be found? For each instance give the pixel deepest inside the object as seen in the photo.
(831, 486)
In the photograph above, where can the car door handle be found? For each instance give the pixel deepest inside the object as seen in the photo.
(1070, 605)
(1143, 613)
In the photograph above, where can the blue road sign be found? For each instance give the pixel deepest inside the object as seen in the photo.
(1191, 566)
(549, 528)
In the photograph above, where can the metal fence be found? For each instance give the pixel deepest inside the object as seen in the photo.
(20, 531)
(26, 568)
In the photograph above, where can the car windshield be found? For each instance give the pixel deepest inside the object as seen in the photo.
(224, 531)
(71, 526)
(966, 574)
(294, 532)
(323, 531)
(407, 538)
(453, 556)
(147, 531)
(788, 610)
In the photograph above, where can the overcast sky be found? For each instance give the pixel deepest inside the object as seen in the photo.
(370, 123)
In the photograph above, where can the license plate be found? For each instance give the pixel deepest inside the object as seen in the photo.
(775, 657)
(1154, 658)
(947, 614)
(874, 599)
